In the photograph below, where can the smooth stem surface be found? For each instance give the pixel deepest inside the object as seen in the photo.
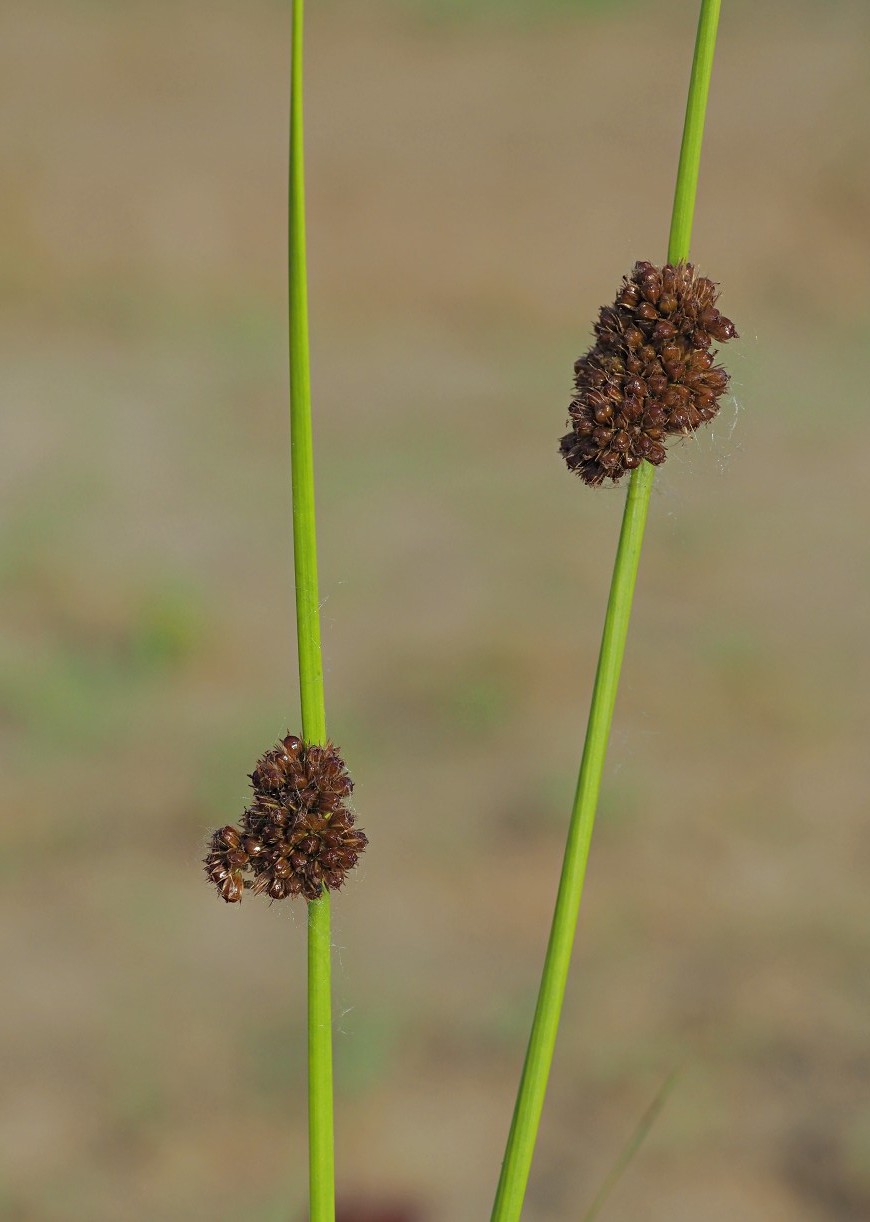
(539, 1054)
(321, 1159)
(683, 212)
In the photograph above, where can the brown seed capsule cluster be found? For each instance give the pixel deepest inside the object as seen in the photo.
(224, 864)
(297, 836)
(649, 374)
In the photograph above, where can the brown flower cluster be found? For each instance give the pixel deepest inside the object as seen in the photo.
(649, 374)
(297, 836)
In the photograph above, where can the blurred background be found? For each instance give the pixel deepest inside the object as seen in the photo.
(480, 176)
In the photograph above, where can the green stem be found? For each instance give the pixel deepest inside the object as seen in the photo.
(683, 211)
(539, 1054)
(321, 1157)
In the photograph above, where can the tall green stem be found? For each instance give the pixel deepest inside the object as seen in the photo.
(321, 1158)
(539, 1054)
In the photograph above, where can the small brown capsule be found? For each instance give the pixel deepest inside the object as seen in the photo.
(642, 445)
(237, 857)
(268, 775)
(608, 318)
(230, 836)
(629, 296)
(281, 868)
(233, 887)
(723, 330)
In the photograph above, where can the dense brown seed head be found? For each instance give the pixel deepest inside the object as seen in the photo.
(297, 836)
(649, 373)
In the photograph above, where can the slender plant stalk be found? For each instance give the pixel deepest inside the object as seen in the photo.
(632, 1146)
(539, 1055)
(321, 1157)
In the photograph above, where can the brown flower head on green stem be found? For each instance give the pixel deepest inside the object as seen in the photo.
(649, 374)
(298, 834)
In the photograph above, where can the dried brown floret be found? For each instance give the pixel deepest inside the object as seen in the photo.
(297, 837)
(225, 862)
(649, 373)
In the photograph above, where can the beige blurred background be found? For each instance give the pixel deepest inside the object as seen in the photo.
(480, 176)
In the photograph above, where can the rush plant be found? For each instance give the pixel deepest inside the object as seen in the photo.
(297, 836)
(620, 418)
(649, 375)
(321, 1149)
